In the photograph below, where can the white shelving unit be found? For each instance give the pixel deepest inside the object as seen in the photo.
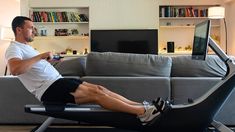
(51, 18)
(60, 18)
(177, 22)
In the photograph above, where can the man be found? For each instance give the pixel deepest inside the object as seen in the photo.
(45, 82)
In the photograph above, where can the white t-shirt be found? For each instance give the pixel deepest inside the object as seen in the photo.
(40, 76)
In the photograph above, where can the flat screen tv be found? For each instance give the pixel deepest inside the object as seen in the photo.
(140, 41)
(201, 39)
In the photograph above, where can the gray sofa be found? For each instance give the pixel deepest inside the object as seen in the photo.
(137, 77)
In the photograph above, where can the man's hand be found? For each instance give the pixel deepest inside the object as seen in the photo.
(47, 55)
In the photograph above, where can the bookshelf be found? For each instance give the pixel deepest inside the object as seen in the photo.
(183, 11)
(61, 21)
(60, 28)
(177, 22)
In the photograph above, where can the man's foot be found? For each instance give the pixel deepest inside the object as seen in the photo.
(152, 111)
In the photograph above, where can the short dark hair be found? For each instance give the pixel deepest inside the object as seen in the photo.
(18, 21)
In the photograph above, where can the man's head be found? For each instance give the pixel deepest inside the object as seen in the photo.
(23, 28)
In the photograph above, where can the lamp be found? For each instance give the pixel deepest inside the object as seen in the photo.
(218, 12)
(8, 35)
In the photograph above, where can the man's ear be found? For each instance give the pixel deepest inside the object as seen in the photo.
(18, 29)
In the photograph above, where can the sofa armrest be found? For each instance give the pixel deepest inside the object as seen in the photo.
(13, 97)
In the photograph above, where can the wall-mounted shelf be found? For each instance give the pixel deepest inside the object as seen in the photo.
(60, 28)
(61, 37)
(177, 23)
(60, 23)
(180, 18)
(185, 26)
(177, 27)
(53, 18)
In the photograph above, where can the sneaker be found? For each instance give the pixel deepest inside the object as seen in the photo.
(149, 114)
(159, 104)
(152, 111)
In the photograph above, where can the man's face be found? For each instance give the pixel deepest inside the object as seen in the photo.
(27, 31)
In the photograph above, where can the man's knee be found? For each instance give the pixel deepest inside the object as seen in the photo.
(95, 91)
(98, 90)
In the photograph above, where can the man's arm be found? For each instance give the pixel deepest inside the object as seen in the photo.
(18, 66)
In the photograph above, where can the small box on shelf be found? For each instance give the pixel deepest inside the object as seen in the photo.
(42, 31)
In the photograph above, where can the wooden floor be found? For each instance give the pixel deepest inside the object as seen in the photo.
(28, 128)
(14, 128)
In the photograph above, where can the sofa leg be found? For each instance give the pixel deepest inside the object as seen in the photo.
(45, 124)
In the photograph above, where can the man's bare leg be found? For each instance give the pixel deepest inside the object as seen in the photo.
(112, 94)
(87, 94)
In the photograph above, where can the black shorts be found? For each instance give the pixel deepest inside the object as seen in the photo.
(59, 91)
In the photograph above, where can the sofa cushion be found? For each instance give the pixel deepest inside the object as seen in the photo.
(185, 88)
(184, 66)
(71, 67)
(125, 64)
(135, 88)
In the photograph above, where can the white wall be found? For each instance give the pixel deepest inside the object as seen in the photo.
(189, 2)
(9, 9)
(230, 19)
(103, 14)
(112, 13)
(133, 14)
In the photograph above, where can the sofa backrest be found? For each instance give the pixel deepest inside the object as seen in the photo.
(119, 64)
(184, 66)
(71, 67)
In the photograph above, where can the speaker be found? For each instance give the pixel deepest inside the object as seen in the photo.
(170, 47)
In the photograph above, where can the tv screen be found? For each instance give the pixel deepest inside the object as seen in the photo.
(141, 41)
(201, 39)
